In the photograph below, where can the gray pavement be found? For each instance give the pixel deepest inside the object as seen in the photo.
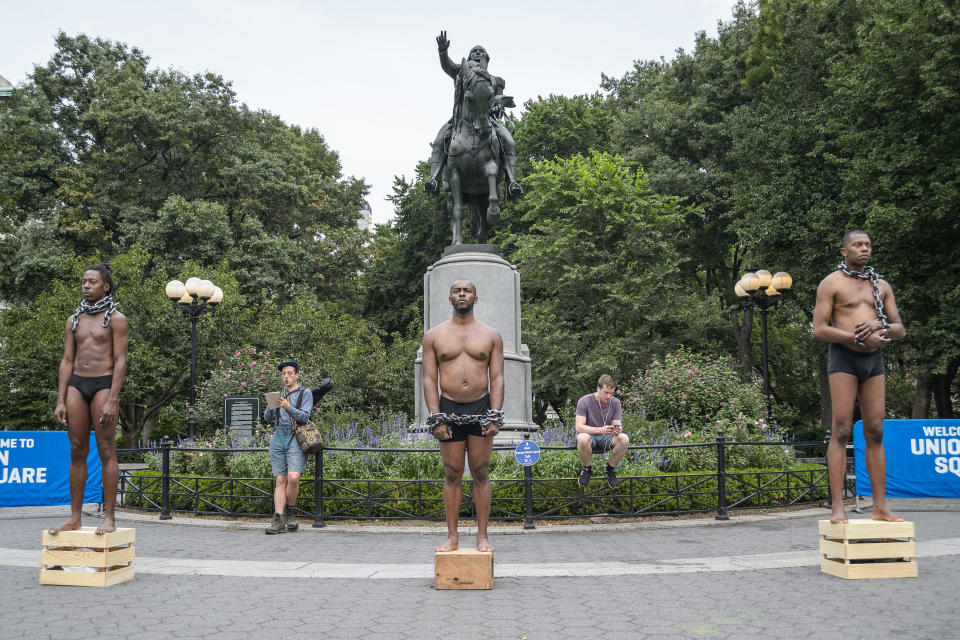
(755, 576)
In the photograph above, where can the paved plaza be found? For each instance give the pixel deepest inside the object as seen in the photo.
(756, 576)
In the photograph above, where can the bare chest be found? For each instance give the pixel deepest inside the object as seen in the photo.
(90, 333)
(856, 294)
(454, 346)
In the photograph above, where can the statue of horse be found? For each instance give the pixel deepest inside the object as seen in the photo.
(474, 155)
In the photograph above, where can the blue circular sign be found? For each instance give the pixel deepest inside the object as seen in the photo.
(527, 453)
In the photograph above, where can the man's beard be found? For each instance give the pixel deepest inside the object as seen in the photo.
(464, 310)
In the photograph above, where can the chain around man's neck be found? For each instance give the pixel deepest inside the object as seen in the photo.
(868, 274)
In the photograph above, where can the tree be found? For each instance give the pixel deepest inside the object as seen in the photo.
(400, 254)
(99, 142)
(600, 274)
(856, 129)
(673, 119)
(165, 176)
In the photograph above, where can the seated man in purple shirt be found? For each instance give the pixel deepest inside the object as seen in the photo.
(599, 419)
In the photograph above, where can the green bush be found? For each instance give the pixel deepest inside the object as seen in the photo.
(652, 492)
(246, 373)
(693, 390)
(740, 429)
(352, 477)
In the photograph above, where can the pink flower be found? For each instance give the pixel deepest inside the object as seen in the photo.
(243, 384)
(253, 363)
(263, 377)
(237, 353)
(687, 433)
(708, 416)
(224, 395)
(689, 370)
(221, 362)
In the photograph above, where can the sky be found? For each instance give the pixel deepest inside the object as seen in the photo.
(366, 74)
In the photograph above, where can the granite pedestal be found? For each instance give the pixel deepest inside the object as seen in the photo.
(498, 305)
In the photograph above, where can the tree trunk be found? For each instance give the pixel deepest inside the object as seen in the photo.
(941, 389)
(921, 397)
(148, 427)
(129, 423)
(742, 333)
(823, 379)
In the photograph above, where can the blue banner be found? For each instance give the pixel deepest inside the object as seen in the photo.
(923, 458)
(35, 469)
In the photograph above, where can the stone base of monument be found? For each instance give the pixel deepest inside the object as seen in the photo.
(868, 549)
(463, 569)
(498, 292)
(82, 558)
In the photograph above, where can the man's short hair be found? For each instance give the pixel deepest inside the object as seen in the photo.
(606, 380)
(104, 270)
(850, 234)
(472, 286)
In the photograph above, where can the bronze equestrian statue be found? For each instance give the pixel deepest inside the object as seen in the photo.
(473, 149)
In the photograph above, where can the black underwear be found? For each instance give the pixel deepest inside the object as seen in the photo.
(843, 359)
(476, 408)
(88, 387)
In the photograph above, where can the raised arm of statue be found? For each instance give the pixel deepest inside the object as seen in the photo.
(449, 66)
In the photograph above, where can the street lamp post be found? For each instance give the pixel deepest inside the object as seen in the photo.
(193, 298)
(764, 291)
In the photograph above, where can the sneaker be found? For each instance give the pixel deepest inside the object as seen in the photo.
(279, 525)
(292, 524)
(612, 480)
(584, 478)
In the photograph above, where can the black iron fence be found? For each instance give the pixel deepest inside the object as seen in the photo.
(514, 499)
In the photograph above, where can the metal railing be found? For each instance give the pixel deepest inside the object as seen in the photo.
(514, 499)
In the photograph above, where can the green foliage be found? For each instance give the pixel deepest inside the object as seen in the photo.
(735, 429)
(601, 276)
(693, 390)
(244, 373)
(561, 127)
(401, 253)
(165, 176)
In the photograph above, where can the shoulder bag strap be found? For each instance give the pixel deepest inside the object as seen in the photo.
(299, 402)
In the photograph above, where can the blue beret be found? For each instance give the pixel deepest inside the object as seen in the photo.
(289, 363)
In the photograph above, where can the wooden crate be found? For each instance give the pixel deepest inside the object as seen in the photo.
(111, 558)
(868, 549)
(463, 569)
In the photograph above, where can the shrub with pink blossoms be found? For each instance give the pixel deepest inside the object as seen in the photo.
(246, 373)
(692, 389)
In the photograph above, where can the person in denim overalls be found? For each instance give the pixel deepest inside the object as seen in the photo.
(286, 457)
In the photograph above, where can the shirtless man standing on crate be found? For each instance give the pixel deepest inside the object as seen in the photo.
(91, 374)
(465, 414)
(857, 314)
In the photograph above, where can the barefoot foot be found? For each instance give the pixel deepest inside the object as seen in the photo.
(69, 525)
(838, 515)
(451, 544)
(107, 526)
(885, 515)
(483, 544)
